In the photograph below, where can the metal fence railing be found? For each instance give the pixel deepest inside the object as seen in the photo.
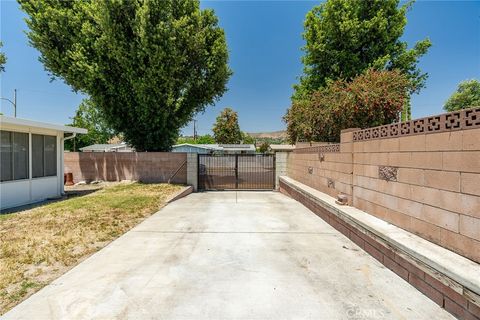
(236, 172)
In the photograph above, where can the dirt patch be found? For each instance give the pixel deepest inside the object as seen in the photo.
(39, 244)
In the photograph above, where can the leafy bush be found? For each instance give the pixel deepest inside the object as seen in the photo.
(371, 99)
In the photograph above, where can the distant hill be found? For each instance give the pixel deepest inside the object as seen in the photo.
(273, 134)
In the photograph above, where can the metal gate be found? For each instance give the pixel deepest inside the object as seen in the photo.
(236, 172)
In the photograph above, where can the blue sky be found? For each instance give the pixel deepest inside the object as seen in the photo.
(264, 39)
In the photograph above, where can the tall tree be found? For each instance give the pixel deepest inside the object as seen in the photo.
(226, 129)
(149, 65)
(205, 139)
(467, 95)
(344, 38)
(3, 59)
(90, 117)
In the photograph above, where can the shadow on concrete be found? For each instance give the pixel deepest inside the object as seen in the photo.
(69, 194)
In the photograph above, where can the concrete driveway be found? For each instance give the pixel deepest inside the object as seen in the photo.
(245, 255)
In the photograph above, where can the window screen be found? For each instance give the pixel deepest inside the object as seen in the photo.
(14, 156)
(20, 155)
(37, 156)
(50, 155)
(6, 155)
(44, 156)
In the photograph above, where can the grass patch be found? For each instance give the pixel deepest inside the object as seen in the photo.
(40, 244)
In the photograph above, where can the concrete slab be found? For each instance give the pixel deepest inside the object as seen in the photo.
(246, 255)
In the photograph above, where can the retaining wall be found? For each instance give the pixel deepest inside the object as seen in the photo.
(422, 175)
(448, 279)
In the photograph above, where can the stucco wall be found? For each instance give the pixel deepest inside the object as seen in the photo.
(426, 179)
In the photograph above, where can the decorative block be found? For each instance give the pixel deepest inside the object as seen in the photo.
(447, 122)
(387, 173)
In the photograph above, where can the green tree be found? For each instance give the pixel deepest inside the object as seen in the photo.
(205, 139)
(226, 129)
(90, 117)
(247, 139)
(3, 59)
(149, 65)
(371, 99)
(467, 95)
(264, 147)
(344, 38)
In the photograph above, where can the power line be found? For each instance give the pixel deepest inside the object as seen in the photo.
(14, 102)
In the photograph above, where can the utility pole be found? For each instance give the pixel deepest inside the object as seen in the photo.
(194, 130)
(14, 102)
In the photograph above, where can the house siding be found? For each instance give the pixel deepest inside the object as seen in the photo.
(191, 149)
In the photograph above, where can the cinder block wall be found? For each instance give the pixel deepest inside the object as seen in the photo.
(117, 166)
(281, 159)
(327, 168)
(422, 175)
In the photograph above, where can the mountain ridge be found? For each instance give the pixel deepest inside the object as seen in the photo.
(281, 134)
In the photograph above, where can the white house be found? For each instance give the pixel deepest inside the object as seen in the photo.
(215, 148)
(108, 147)
(31, 160)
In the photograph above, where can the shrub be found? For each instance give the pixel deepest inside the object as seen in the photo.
(371, 99)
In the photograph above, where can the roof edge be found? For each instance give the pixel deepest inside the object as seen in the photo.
(38, 124)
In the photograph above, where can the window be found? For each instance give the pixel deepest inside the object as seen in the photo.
(13, 155)
(37, 156)
(50, 150)
(6, 155)
(20, 155)
(44, 156)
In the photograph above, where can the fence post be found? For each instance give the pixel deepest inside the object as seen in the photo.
(192, 170)
(281, 159)
(236, 171)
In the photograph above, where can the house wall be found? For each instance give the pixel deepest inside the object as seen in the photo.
(117, 166)
(20, 192)
(190, 149)
(422, 176)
